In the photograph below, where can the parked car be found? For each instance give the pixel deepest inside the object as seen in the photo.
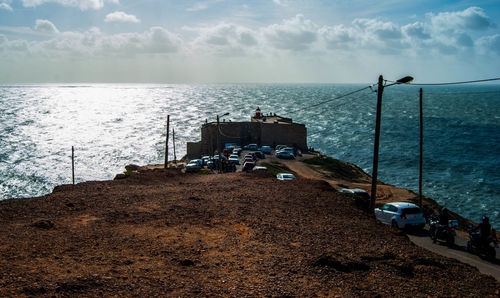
(279, 147)
(237, 151)
(289, 149)
(251, 147)
(259, 168)
(285, 176)
(248, 165)
(258, 154)
(234, 159)
(251, 155)
(193, 166)
(401, 215)
(266, 149)
(284, 154)
(197, 161)
(205, 160)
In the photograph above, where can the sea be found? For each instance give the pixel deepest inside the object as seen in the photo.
(112, 125)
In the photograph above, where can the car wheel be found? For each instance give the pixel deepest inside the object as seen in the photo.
(395, 224)
(450, 240)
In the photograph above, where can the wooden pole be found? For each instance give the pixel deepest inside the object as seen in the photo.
(421, 150)
(376, 143)
(173, 141)
(166, 142)
(73, 163)
(218, 146)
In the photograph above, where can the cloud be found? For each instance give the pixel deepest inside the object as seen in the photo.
(472, 18)
(45, 26)
(5, 6)
(490, 44)
(281, 2)
(416, 30)
(296, 34)
(225, 39)
(82, 4)
(198, 6)
(120, 16)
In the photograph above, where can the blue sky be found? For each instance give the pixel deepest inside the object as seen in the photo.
(337, 41)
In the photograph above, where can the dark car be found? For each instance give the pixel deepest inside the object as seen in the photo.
(248, 165)
(284, 154)
(258, 154)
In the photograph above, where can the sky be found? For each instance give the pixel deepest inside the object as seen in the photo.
(252, 41)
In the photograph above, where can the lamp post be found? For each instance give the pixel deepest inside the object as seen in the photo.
(376, 143)
(218, 141)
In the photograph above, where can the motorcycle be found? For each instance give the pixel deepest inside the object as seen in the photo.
(488, 249)
(446, 233)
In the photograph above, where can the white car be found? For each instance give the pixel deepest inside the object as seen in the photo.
(285, 176)
(401, 215)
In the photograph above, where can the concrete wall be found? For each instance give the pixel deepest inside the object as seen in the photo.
(292, 134)
(243, 133)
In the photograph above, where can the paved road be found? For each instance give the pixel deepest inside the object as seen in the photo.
(459, 252)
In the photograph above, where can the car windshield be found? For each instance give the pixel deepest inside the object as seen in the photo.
(412, 210)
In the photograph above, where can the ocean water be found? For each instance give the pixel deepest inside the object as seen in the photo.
(111, 126)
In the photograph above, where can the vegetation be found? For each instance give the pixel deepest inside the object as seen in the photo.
(337, 168)
(276, 168)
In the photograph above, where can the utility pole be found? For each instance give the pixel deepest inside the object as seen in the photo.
(376, 143)
(166, 142)
(173, 141)
(73, 163)
(218, 146)
(421, 150)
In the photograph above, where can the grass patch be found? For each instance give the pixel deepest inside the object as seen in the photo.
(337, 168)
(203, 172)
(274, 169)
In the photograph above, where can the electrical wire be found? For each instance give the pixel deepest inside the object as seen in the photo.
(329, 100)
(448, 83)
(454, 93)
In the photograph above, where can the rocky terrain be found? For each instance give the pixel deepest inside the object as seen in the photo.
(164, 233)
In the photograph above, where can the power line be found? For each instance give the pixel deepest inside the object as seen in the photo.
(448, 83)
(465, 92)
(329, 100)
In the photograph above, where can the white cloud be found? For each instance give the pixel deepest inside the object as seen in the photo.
(45, 26)
(5, 6)
(120, 16)
(225, 39)
(416, 30)
(198, 6)
(489, 44)
(82, 4)
(472, 18)
(295, 34)
(281, 2)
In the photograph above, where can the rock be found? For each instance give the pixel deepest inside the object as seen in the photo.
(187, 262)
(120, 176)
(132, 167)
(43, 224)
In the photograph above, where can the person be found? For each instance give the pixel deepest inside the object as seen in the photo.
(444, 217)
(485, 230)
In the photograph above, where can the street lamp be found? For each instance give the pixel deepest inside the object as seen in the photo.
(218, 142)
(376, 143)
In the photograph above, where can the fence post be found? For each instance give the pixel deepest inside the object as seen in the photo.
(166, 142)
(73, 163)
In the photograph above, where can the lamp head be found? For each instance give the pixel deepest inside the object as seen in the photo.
(405, 80)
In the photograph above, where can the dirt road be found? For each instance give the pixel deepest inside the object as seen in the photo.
(389, 193)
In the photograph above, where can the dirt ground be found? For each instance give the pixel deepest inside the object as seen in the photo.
(164, 233)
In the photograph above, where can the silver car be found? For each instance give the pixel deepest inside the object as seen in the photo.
(401, 215)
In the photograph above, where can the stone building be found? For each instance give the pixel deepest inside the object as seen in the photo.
(270, 130)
